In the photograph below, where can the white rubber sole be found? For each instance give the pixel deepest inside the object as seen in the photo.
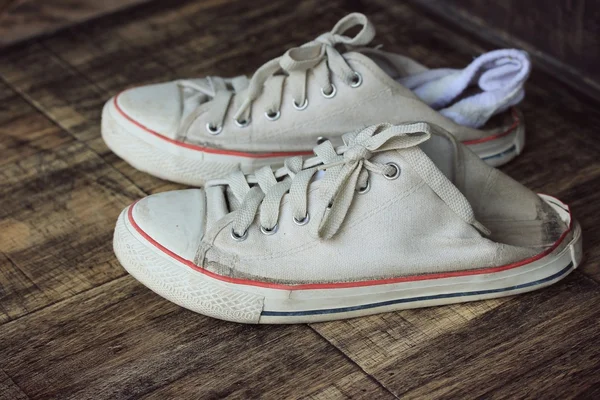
(236, 300)
(192, 165)
(503, 148)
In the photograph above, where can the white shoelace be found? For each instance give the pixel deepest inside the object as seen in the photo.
(346, 172)
(291, 68)
(500, 75)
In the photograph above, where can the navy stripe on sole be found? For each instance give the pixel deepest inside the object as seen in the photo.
(502, 154)
(421, 298)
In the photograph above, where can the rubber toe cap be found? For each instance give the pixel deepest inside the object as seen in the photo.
(174, 220)
(154, 107)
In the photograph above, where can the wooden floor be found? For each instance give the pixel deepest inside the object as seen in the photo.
(74, 325)
(23, 19)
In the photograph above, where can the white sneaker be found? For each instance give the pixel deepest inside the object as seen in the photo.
(194, 130)
(399, 217)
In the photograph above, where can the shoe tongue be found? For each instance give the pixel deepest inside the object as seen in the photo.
(232, 203)
(218, 204)
(442, 149)
(394, 65)
(386, 63)
(192, 97)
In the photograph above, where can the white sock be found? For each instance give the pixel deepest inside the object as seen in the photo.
(499, 76)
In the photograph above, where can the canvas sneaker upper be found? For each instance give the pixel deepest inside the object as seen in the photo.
(391, 201)
(324, 88)
(318, 91)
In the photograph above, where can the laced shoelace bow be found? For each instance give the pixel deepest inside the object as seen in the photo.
(345, 173)
(320, 55)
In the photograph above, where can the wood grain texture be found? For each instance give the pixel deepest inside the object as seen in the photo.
(73, 325)
(8, 389)
(24, 131)
(103, 347)
(539, 345)
(23, 19)
(53, 243)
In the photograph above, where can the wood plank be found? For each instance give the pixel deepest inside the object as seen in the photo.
(8, 389)
(24, 131)
(69, 99)
(228, 38)
(352, 386)
(25, 134)
(535, 345)
(56, 222)
(23, 19)
(375, 340)
(121, 341)
(51, 86)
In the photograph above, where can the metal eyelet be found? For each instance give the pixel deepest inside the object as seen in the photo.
(321, 139)
(331, 93)
(356, 80)
(239, 238)
(365, 189)
(243, 123)
(302, 221)
(273, 115)
(395, 174)
(213, 130)
(300, 107)
(269, 231)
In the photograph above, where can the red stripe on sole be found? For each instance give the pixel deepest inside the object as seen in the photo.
(515, 124)
(341, 285)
